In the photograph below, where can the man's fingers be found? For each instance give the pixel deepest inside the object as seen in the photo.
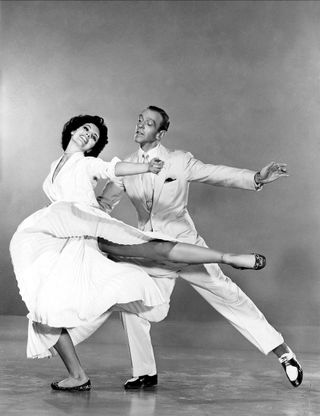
(281, 167)
(276, 167)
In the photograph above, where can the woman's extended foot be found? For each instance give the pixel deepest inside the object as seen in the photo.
(252, 261)
(71, 383)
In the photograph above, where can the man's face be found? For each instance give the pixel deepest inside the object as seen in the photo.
(147, 127)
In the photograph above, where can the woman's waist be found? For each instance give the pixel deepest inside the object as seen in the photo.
(85, 202)
(61, 207)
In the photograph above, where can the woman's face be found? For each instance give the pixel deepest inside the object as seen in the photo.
(85, 137)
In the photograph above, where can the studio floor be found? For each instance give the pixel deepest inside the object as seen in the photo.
(192, 381)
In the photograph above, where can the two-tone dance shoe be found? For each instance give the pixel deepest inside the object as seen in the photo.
(145, 382)
(83, 387)
(292, 368)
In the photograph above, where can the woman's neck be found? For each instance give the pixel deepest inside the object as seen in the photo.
(71, 149)
(67, 152)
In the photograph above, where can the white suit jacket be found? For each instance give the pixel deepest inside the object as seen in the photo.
(169, 214)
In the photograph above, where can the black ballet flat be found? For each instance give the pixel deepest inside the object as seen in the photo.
(260, 263)
(83, 387)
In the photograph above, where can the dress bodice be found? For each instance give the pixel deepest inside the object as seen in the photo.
(77, 179)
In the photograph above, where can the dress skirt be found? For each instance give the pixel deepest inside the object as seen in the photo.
(66, 281)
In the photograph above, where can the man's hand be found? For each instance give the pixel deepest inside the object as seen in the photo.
(155, 165)
(271, 173)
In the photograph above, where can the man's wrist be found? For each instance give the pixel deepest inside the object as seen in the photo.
(258, 180)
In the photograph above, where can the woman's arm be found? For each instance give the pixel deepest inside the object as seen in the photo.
(128, 168)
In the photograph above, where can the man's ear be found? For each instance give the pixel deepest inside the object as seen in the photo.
(160, 134)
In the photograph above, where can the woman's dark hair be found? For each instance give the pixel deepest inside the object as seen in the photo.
(75, 122)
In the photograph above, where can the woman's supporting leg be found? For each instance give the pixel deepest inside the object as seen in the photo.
(67, 352)
(178, 252)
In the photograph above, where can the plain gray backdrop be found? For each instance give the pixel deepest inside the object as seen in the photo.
(240, 81)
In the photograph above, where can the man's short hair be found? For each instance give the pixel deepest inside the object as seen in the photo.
(165, 118)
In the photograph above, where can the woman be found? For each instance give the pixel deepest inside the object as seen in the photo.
(64, 279)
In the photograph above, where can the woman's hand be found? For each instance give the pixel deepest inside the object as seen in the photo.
(155, 165)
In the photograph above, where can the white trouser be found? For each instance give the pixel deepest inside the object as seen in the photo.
(222, 294)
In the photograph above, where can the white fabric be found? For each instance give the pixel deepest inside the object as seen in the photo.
(171, 190)
(78, 178)
(63, 277)
(147, 183)
(152, 153)
(170, 216)
(140, 344)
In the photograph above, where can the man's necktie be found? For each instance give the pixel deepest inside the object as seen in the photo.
(147, 183)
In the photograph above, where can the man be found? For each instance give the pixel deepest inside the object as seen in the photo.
(160, 202)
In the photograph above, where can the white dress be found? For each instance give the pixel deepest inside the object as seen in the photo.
(63, 277)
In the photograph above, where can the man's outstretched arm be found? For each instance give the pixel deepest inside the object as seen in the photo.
(226, 176)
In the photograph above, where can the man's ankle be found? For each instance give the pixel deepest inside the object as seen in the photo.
(281, 349)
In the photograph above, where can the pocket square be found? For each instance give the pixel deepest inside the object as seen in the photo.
(170, 180)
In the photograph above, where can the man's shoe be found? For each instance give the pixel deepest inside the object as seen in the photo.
(292, 368)
(146, 382)
(83, 387)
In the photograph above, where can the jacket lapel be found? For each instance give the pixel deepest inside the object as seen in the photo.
(136, 181)
(161, 177)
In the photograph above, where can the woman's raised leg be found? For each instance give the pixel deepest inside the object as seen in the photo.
(182, 253)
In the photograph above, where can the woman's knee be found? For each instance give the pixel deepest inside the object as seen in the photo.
(163, 248)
